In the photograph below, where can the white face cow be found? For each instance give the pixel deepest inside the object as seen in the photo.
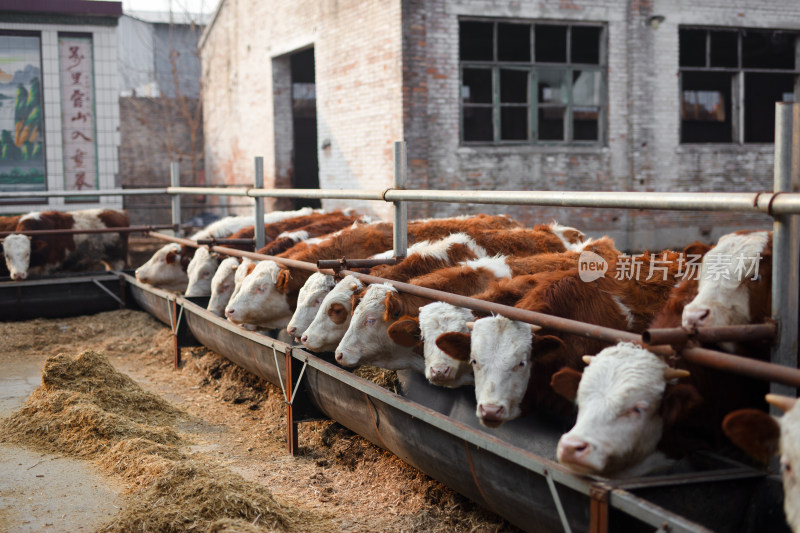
(333, 317)
(763, 436)
(619, 420)
(440, 368)
(164, 269)
(200, 271)
(367, 340)
(17, 249)
(308, 301)
(258, 302)
(729, 282)
(222, 285)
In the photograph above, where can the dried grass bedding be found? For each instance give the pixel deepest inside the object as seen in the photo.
(213, 457)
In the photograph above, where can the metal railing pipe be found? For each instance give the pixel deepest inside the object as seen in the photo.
(322, 194)
(400, 228)
(211, 191)
(354, 263)
(175, 181)
(123, 229)
(98, 192)
(785, 261)
(223, 242)
(258, 209)
(747, 332)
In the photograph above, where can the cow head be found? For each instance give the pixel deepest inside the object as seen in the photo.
(440, 368)
(17, 250)
(200, 271)
(308, 301)
(222, 285)
(625, 399)
(258, 302)
(763, 436)
(332, 319)
(500, 353)
(734, 282)
(367, 340)
(164, 269)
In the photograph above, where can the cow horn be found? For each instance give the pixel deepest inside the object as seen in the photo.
(587, 359)
(534, 328)
(470, 325)
(353, 286)
(675, 373)
(784, 403)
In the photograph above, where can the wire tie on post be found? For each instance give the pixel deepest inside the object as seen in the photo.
(557, 500)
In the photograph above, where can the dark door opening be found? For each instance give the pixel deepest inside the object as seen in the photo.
(304, 122)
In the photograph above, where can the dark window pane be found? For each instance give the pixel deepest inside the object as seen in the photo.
(551, 123)
(585, 45)
(478, 124)
(475, 41)
(768, 49)
(551, 43)
(692, 48)
(477, 86)
(761, 91)
(706, 107)
(514, 123)
(585, 123)
(724, 49)
(513, 42)
(513, 86)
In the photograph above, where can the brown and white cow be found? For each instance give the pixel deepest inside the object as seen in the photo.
(42, 254)
(763, 436)
(356, 242)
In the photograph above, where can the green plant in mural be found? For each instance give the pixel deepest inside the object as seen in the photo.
(25, 143)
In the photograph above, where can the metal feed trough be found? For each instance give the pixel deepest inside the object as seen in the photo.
(511, 470)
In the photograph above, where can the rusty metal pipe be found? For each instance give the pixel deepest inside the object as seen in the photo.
(746, 332)
(223, 242)
(702, 356)
(355, 263)
(124, 229)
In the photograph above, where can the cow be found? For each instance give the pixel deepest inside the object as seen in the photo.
(468, 278)
(166, 269)
(360, 241)
(309, 298)
(763, 436)
(7, 224)
(494, 349)
(43, 254)
(202, 266)
(222, 284)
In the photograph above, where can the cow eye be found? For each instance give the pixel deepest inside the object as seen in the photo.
(261, 289)
(473, 362)
(317, 302)
(226, 287)
(369, 322)
(521, 364)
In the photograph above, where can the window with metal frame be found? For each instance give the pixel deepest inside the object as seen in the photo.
(532, 82)
(730, 79)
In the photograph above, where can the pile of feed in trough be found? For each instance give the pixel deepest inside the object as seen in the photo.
(86, 408)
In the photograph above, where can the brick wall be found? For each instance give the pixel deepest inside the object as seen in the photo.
(357, 49)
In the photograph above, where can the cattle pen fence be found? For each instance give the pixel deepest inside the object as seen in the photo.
(782, 204)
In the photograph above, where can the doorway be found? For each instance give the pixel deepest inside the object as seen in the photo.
(305, 164)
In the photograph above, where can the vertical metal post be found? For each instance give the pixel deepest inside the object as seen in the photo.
(259, 206)
(175, 181)
(400, 218)
(176, 345)
(785, 250)
(291, 425)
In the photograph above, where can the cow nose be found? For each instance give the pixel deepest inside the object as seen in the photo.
(693, 318)
(304, 339)
(572, 450)
(229, 311)
(440, 371)
(491, 411)
(18, 276)
(291, 330)
(339, 356)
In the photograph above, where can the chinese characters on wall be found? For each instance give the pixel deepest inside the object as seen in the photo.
(78, 114)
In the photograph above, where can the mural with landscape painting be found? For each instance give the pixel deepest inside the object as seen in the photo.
(22, 162)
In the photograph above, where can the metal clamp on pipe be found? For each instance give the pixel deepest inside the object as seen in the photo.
(344, 263)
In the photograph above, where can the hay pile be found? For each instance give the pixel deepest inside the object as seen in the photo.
(86, 408)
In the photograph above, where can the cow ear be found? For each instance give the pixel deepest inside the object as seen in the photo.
(455, 344)
(355, 299)
(405, 332)
(565, 382)
(171, 257)
(392, 305)
(283, 280)
(696, 248)
(754, 431)
(678, 403)
(545, 343)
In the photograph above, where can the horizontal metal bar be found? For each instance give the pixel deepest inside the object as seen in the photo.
(211, 191)
(99, 192)
(355, 263)
(223, 241)
(652, 514)
(745, 332)
(123, 229)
